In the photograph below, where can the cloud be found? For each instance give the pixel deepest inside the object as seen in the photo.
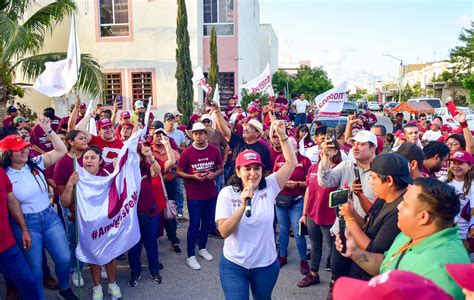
(463, 21)
(334, 57)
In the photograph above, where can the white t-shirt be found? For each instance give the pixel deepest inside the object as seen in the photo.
(462, 223)
(431, 135)
(30, 190)
(177, 135)
(252, 244)
(301, 105)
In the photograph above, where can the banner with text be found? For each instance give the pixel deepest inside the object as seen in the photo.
(330, 103)
(107, 208)
(262, 84)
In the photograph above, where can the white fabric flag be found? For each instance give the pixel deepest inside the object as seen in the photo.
(216, 98)
(261, 84)
(330, 103)
(92, 123)
(59, 77)
(106, 217)
(200, 80)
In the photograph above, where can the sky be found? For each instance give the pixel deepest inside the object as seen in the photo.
(349, 38)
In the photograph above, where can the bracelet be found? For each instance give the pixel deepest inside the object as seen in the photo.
(464, 125)
(349, 219)
(49, 132)
(151, 162)
(283, 140)
(305, 215)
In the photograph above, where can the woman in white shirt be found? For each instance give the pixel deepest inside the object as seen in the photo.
(31, 190)
(249, 256)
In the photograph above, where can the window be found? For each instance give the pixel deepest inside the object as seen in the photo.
(142, 86)
(226, 86)
(113, 87)
(113, 18)
(218, 14)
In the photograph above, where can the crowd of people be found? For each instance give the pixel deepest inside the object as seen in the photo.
(256, 177)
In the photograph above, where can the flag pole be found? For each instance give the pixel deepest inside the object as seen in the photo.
(78, 266)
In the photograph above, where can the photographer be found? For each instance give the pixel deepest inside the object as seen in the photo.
(389, 178)
(428, 239)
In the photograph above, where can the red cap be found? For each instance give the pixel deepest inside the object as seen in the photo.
(461, 156)
(235, 97)
(124, 115)
(415, 122)
(248, 157)
(193, 118)
(127, 124)
(283, 107)
(252, 109)
(462, 274)
(103, 122)
(441, 139)
(182, 128)
(399, 134)
(256, 100)
(13, 143)
(239, 117)
(393, 285)
(446, 127)
(82, 106)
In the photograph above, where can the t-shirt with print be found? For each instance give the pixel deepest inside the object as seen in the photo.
(110, 150)
(40, 139)
(464, 217)
(55, 123)
(238, 145)
(299, 174)
(7, 240)
(318, 199)
(252, 244)
(194, 161)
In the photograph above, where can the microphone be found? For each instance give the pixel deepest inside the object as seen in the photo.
(248, 208)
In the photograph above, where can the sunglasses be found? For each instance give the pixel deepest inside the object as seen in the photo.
(206, 121)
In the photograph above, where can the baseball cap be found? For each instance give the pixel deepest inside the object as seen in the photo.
(256, 124)
(461, 156)
(248, 157)
(162, 130)
(206, 117)
(19, 119)
(256, 100)
(193, 118)
(365, 136)
(82, 106)
(104, 122)
(446, 127)
(11, 109)
(394, 285)
(412, 152)
(462, 274)
(177, 113)
(13, 143)
(168, 116)
(238, 105)
(235, 97)
(156, 125)
(139, 104)
(392, 164)
(127, 124)
(124, 115)
(252, 109)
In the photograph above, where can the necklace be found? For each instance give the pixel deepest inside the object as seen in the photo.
(401, 251)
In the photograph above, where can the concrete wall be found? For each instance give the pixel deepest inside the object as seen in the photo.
(268, 47)
(249, 41)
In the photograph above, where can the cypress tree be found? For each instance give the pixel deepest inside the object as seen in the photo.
(184, 72)
(214, 68)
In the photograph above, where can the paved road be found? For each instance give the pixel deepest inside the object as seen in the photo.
(180, 282)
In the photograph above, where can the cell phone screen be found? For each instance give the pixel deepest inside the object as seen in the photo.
(357, 174)
(338, 198)
(330, 136)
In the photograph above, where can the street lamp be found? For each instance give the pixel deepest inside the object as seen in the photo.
(401, 75)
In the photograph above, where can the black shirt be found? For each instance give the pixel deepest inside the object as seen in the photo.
(238, 145)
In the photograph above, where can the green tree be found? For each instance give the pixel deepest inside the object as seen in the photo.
(311, 82)
(184, 72)
(22, 38)
(282, 81)
(248, 97)
(214, 67)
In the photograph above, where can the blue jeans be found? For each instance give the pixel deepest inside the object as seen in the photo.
(46, 230)
(149, 235)
(286, 217)
(15, 268)
(199, 215)
(71, 237)
(300, 119)
(179, 194)
(235, 280)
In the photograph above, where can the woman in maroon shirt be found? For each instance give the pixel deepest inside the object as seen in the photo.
(289, 207)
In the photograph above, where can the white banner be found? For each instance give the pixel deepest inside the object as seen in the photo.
(200, 80)
(59, 77)
(107, 208)
(330, 103)
(262, 84)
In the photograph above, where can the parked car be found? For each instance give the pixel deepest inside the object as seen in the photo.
(387, 108)
(328, 122)
(374, 106)
(348, 108)
(444, 113)
(434, 102)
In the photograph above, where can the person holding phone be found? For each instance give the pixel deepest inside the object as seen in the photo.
(249, 259)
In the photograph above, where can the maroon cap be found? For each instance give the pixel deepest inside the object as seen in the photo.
(124, 115)
(235, 97)
(182, 128)
(463, 274)
(461, 156)
(252, 109)
(13, 143)
(446, 127)
(239, 117)
(127, 124)
(82, 106)
(248, 157)
(103, 122)
(194, 117)
(393, 285)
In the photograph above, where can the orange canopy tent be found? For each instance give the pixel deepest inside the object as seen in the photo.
(414, 108)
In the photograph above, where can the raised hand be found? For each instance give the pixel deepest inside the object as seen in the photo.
(44, 123)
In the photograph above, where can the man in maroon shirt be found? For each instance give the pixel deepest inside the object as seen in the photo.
(77, 114)
(51, 114)
(281, 100)
(12, 113)
(199, 165)
(124, 118)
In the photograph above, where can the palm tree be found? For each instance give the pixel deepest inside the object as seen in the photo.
(22, 39)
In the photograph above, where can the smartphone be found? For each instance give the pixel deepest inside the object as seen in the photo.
(330, 136)
(342, 233)
(141, 117)
(453, 110)
(119, 101)
(338, 198)
(357, 174)
(303, 230)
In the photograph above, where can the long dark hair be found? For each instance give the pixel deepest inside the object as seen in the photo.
(34, 169)
(236, 183)
(468, 177)
(70, 136)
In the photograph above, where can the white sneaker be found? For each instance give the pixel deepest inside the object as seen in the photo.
(97, 293)
(206, 255)
(114, 291)
(192, 263)
(76, 280)
(103, 272)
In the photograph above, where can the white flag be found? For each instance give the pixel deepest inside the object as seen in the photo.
(330, 103)
(59, 77)
(107, 222)
(200, 80)
(261, 84)
(92, 124)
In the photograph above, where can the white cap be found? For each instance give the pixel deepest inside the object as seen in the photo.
(139, 104)
(365, 136)
(206, 117)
